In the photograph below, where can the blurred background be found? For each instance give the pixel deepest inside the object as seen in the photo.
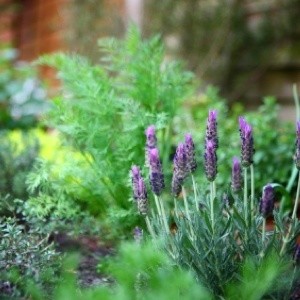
(249, 49)
(64, 162)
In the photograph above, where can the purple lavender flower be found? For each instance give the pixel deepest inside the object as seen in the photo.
(139, 190)
(211, 128)
(226, 200)
(267, 201)
(142, 199)
(151, 141)
(151, 137)
(190, 153)
(297, 254)
(135, 176)
(181, 169)
(247, 149)
(236, 176)
(210, 158)
(138, 234)
(156, 176)
(297, 152)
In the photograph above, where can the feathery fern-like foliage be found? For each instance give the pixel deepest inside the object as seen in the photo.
(103, 109)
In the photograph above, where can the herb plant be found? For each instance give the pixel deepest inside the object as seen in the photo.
(25, 254)
(102, 112)
(215, 231)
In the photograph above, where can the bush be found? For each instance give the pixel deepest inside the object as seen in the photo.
(217, 231)
(25, 255)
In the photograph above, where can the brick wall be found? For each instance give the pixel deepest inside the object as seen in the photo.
(7, 20)
(39, 27)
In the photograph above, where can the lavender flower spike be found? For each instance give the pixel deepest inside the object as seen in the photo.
(138, 234)
(190, 153)
(247, 149)
(236, 176)
(142, 200)
(267, 201)
(296, 255)
(139, 190)
(135, 176)
(210, 158)
(156, 175)
(211, 128)
(297, 152)
(151, 137)
(151, 141)
(181, 169)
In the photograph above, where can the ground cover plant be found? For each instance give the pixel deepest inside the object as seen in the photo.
(215, 231)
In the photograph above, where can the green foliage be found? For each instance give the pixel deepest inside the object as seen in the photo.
(25, 254)
(16, 161)
(217, 233)
(230, 251)
(103, 110)
(22, 97)
(256, 286)
(141, 272)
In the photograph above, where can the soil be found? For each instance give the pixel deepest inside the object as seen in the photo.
(91, 251)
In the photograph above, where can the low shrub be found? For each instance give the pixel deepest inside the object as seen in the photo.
(222, 233)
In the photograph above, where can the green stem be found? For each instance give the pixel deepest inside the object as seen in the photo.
(214, 189)
(294, 216)
(157, 206)
(292, 179)
(187, 211)
(175, 208)
(264, 231)
(186, 205)
(195, 193)
(285, 240)
(163, 213)
(246, 196)
(297, 199)
(150, 229)
(212, 206)
(252, 191)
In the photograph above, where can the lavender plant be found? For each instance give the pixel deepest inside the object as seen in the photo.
(215, 238)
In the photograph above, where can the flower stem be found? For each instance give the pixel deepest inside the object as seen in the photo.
(245, 196)
(264, 231)
(175, 208)
(163, 214)
(150, 229)
(186, 206)
(157, 206)
(214, 189)
(252, 191)
(297, 199)
(294, 216)
(195, 193)
(212, 206)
